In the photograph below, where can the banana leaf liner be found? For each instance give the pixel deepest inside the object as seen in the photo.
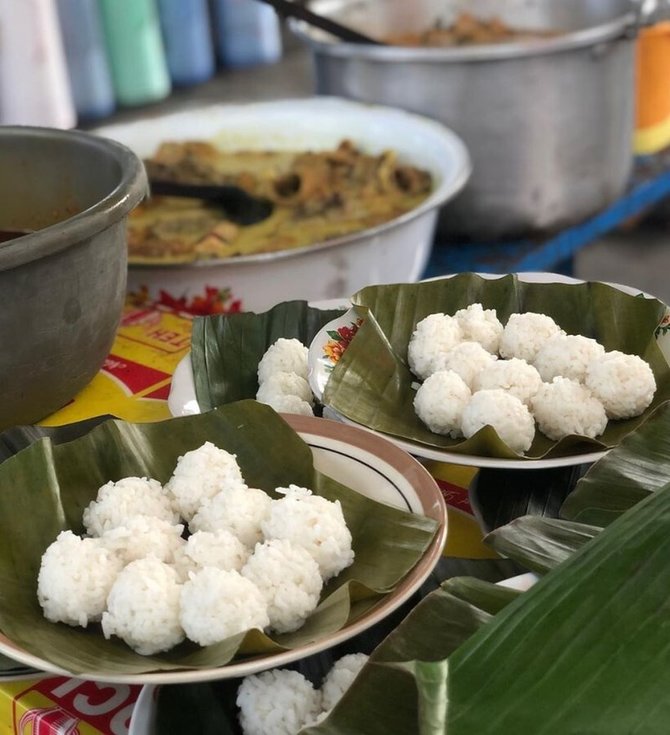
(45, 488)
(372, 385)
(586, 650)
(226, 348)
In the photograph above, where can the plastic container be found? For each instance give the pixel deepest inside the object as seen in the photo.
(247, 33)
(652, 120)
(135, 45)
(187, 36)
(88, 68)
(34, 84)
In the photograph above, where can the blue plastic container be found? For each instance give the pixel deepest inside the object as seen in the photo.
(247, 33)
(86, 56)
(187, 36)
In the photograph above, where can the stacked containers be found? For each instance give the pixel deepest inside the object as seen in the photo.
(132, 52)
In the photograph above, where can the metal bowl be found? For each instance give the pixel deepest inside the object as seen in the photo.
(548, 121)
(62, 286)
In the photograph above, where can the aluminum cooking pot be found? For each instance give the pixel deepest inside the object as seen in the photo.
(63, 285)
(548, 121)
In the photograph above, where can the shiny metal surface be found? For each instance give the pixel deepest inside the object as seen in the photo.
(548, 122)
(62, 287)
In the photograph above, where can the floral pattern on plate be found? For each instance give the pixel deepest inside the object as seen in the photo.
(328, 346)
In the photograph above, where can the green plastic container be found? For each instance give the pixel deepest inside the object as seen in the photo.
(136, 54)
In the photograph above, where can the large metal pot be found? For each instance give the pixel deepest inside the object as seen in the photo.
(548, 122)
(62, 287)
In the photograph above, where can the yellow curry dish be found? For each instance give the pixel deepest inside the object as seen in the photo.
(468, 30)
(316, 196)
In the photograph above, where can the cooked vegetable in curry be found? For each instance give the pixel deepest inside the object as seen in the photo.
(317, 196)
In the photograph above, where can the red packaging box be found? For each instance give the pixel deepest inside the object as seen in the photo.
(64, 706)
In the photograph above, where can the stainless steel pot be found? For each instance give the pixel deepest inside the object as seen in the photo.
(548, 122)
(62, 287)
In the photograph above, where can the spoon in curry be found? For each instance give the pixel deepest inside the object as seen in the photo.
(240, 206)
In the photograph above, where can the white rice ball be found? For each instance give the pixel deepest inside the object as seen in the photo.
(240, 510)
(199, 475)
(624, 384)
(75, 577)
(567, 355)
(219, 549)
(525, 333)
(284, 384)
(216, 604)
(277, 702)
(430, 342)
(468, 359)
(289, 579)
(117, 502)
(565, 406)
(288, 404)
(480, 325)
(144, 535)
(284, 356)
(316, 524)
(340, 678)
(143, 607)
(515, 376)
(508, 415)
(440, 400)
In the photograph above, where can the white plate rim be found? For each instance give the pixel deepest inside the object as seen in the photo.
(403, 592)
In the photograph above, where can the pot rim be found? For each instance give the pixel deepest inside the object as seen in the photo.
(130, 189)
(624, 26)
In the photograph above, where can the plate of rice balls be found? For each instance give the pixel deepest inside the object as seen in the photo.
(209, 546)
(518, 371)
(352, 364)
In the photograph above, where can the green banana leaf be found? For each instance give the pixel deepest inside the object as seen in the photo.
(584, 650)
(45, 487)
(372, 384)
(226, 348)
(640, 465)
(540, 544)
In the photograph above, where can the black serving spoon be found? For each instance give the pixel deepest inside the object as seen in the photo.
(289, 9)
(240, 206)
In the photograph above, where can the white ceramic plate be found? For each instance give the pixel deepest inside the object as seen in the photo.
(367, 464)
(333, 268)
(143, 719)
(182, 399)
